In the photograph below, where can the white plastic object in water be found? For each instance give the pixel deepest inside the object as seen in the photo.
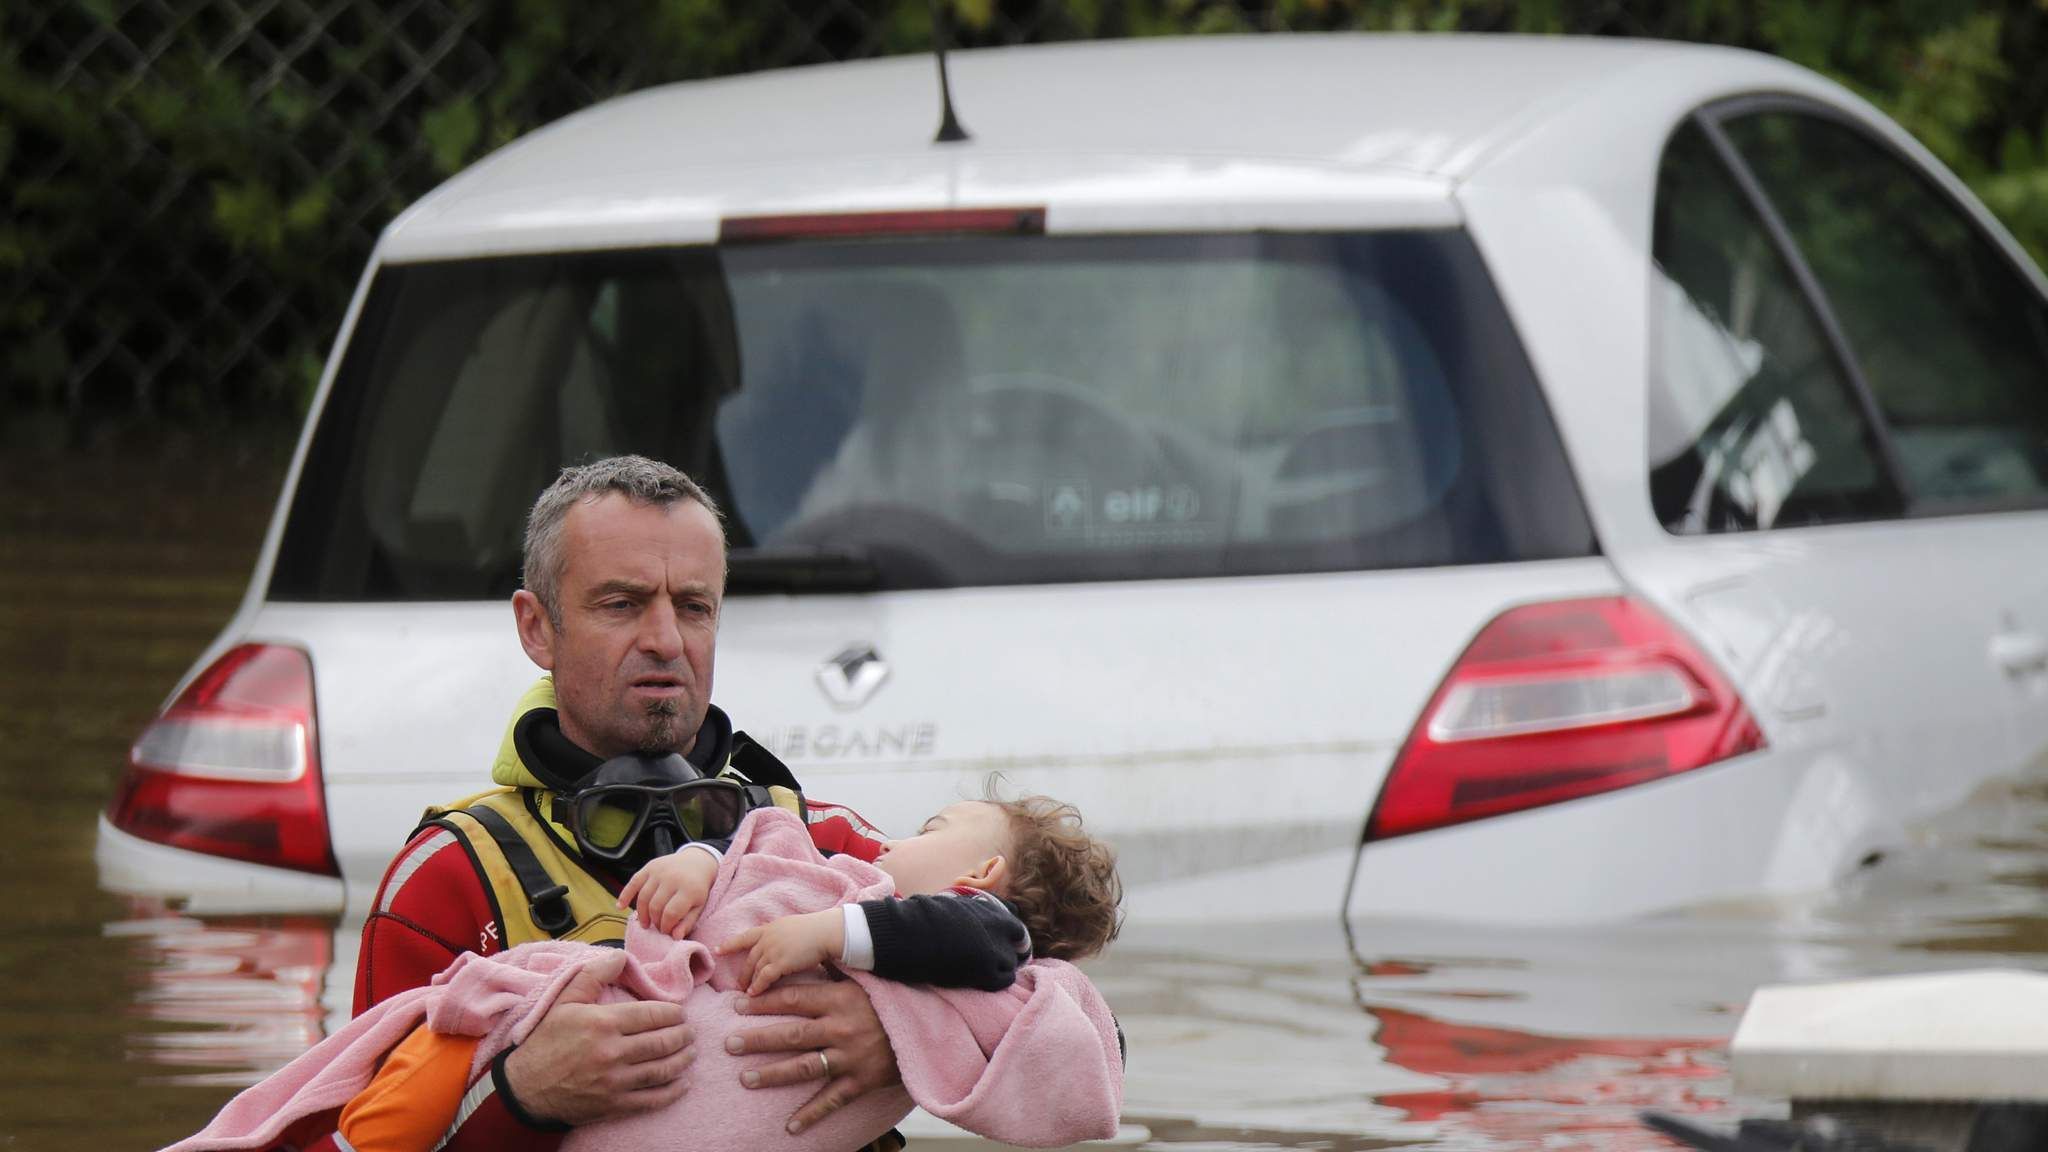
(1957, 1036)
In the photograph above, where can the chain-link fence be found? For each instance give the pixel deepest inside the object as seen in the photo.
(192, 186)
(195, 182)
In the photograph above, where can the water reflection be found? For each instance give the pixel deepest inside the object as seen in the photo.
(1429, 1035)
(1527, 1089)
(1395, 1034)
(223, 1003)
(1243, 1040)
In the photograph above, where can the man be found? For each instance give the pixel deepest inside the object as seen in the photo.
(625, 576)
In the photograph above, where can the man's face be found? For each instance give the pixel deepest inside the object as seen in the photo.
(953, 847)
(640, 593)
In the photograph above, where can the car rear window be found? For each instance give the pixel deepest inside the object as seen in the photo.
(948, 412)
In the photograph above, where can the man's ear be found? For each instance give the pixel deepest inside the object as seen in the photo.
(536, 631)
(989, 876)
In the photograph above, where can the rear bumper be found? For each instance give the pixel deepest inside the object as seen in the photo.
(207, 885)
(1772, 824)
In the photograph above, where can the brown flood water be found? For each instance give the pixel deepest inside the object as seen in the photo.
(118, 562)
(125, 1025)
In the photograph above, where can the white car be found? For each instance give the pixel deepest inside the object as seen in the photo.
(1485, 478)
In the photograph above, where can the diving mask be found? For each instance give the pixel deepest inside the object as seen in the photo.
(635, 808)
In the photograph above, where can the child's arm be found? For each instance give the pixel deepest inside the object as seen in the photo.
(958, 939)
(670, 891)
(787, 944)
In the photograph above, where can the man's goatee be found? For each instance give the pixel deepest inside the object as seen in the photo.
(661, 736)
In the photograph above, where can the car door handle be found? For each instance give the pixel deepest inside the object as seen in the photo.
(2020, 653)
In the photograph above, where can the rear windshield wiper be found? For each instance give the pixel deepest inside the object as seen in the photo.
(754, 570)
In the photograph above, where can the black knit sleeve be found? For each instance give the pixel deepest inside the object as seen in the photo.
(947, 940)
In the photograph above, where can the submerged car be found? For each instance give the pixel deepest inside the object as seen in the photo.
(1487, 478)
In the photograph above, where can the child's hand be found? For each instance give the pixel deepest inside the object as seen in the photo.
(786, 945)
(670, 892)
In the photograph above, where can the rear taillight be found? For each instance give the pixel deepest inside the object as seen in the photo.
(232, 768)
(1556, 701)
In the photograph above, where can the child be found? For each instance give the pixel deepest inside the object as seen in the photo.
(982, 888)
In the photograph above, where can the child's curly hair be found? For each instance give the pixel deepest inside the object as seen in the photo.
(1063, 882)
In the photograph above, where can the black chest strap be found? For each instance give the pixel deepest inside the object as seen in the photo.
(546, 901)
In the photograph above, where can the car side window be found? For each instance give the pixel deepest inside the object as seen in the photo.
(1951, 336)
(1752, 420)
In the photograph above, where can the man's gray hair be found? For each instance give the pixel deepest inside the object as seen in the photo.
(637, 478)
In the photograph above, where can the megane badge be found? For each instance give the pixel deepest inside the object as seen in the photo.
(849, 678)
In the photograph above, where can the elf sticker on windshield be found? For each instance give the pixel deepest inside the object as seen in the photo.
(1066, 506)
(1151, 505)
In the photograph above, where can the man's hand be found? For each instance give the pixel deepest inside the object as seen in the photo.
(670, 891)
(787, 944)
(842, 1026)
(587, 1061)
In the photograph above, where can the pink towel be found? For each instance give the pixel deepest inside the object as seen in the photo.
(1036, 1064)
(471, 996)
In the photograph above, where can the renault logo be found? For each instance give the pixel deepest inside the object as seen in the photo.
(849, 678)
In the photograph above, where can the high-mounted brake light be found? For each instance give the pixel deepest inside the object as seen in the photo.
(231, 768)
(1556, 701)
(861, 225)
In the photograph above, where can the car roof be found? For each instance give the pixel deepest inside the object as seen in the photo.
(1232, 131)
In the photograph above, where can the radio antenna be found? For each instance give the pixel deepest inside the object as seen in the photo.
(950, 131)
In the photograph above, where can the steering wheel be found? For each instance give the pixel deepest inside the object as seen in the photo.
(992, 465)
(1027, 435)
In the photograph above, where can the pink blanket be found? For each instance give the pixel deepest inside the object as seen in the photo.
(1035, 1065)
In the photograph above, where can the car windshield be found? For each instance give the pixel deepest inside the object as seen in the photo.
(919, 413)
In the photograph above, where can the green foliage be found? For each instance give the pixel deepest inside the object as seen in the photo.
(1954, 80)
(182, 228)
(452, 132)
(248, 217)
(2020, 198)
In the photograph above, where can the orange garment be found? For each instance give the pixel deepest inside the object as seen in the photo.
(411, 1103)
